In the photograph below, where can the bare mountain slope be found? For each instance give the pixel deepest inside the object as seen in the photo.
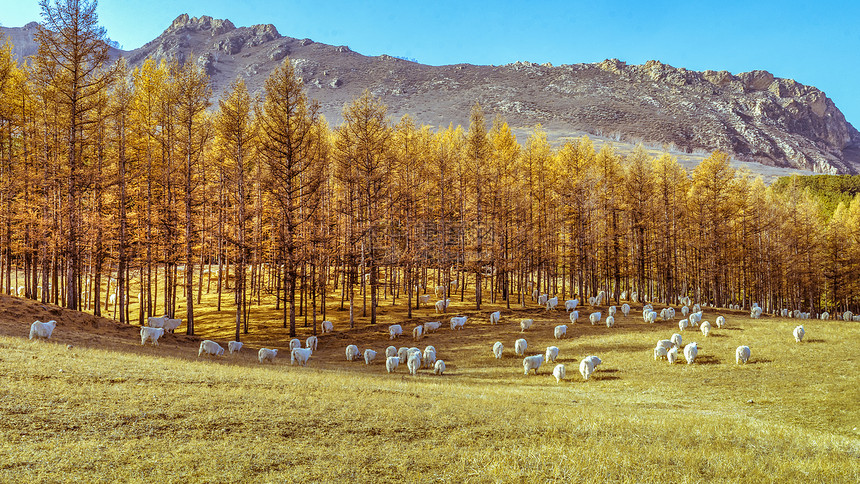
(752, 115)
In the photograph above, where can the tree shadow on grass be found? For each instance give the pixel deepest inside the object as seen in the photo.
(717, 335)
(814, 340)
(602, 376)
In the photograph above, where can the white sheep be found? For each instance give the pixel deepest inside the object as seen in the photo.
(672, 355)
(424, 298)
(742, 354)
(266, 354)
(634, 297)
(44, 330)
(705, 327)
(520, 346)
(534, 293)
(695, 318)
(600, 297)
(571, 304)
(659, 352)
(574, 315)
(439, 367)
(159, 322)
(495, 317)
(417, 332)
(612, 310)
(403, 353)
(369, 356)
(560, 331)
(295, 343)
(234, 346)
(432, 326)
(683, 324)
(532, 363)
(391, 363)
(586, 368)
(685, 311)
(595, 361)
(825, 315)
(755, 313)
(439, 291)
(625, 308)
(440, 306)
(798, 333)
(22, 291)
(526, 324)
(677, 340)
(312, 342)
(300, 356)
(651, 317)
(551, 353)
(390, 351)
(721, 321)
(690, 352)
(623, 295)
(594, 318)
(610, 321)
(665, 343)
(210, 347)
(542, 299)
(147, 333)
(697, 308)
(394, 331)
(170, 324)
(558, 372)
(413, 364)
(551, 303)
(592, 300)
(498, 348)
(327, 327)
(457, 322)
(847, 316)
(352, 353)
(429, 356)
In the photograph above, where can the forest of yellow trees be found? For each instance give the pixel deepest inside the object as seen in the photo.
(110, 175)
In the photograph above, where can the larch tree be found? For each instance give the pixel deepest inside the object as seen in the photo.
(477, 156)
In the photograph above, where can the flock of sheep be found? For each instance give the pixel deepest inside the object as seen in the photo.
(414, 358)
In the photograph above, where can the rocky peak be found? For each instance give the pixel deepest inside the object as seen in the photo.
(205, 22)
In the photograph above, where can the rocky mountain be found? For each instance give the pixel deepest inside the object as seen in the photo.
(752, 115)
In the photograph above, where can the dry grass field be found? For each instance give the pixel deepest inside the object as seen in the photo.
(110, 410)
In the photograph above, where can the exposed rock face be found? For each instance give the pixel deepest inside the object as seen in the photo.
(752, 115)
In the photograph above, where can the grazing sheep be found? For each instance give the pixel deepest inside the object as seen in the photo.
(665, 343)
(551, 303)
(391, 363)
(558, 373)
(634, 297)
(520, 346)
(592, 300)
(45, 330)
(705, 328)
(300, 356)
(432, 326)
(390, 351)
(595, 361)
(721, 321)
(685, 311)
(625, 308)
(439, 367)
(571, 304)
(495, 317)
(825, 315)
(847, 316)
(551, 353)
(532, 363)
(755, 312)
(697, 308)
(612, 310)
(498, 348)
(695, 318)
(798, 333)
(369, 356)
(394, 331)
(594, 318)
(312, 342)
(610, 321)
(457, 322)
(586, 368)
(623, 295)
(526, 324)
(439, 291)
(659, 352)
(403, 353)
(352, 353)
(672, 355)
(690, 352)
(417, 332)
(234, 346)
(266, 354)
(683, 324)
(210, 347)
(429, 356)
(600, 297)
(442, 305)
(560, 331)
(651, 317)
(424, 299)
(327, 327)
(413, 364)
(676, 340)
(742, 354)
(542, 299)
(574, 315)
(146, 333)
(154, 322)
(295, 343)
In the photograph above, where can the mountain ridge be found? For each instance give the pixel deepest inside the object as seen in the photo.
(754, 115)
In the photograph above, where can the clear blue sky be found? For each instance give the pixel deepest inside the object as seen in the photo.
(813, 42)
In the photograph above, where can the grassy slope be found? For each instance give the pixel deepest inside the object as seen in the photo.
(110, 410)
